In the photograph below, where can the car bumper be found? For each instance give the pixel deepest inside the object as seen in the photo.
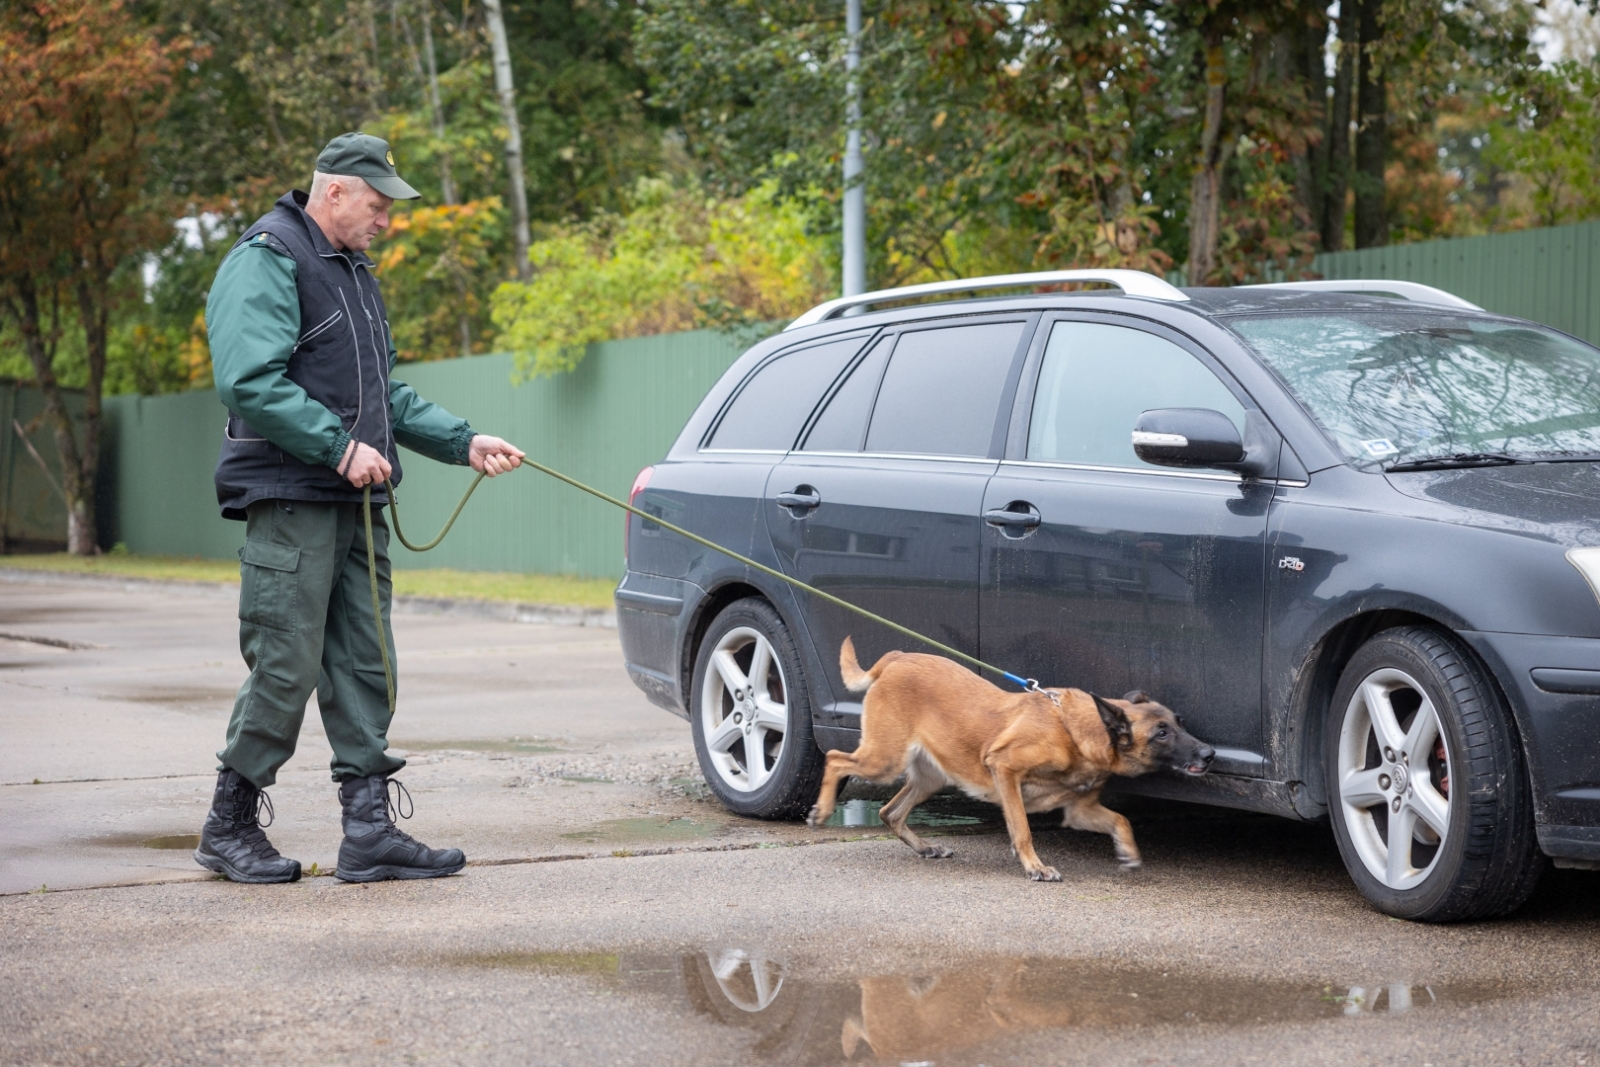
(652, 614)
(1553, 684)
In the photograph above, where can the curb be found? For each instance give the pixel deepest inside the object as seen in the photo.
(506, 611)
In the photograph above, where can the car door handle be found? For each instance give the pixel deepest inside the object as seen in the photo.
(803, 498)
(1006, 517)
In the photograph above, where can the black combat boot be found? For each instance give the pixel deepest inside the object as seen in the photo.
(232, 841)
(374, 848)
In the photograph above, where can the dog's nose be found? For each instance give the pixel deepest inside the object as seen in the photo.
(1206, 754)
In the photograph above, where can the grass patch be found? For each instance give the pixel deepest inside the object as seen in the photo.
(442, 582)
(496, 585)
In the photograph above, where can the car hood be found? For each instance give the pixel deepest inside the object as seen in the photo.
(1556, 500)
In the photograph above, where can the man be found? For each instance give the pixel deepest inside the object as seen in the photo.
(302, 357)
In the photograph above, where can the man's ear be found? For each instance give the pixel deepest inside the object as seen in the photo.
(1138, 696)
(1118, 728)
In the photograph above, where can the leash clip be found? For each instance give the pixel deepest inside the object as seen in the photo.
(1033, 686)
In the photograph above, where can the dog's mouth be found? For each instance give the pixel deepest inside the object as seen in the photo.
(1195, 768)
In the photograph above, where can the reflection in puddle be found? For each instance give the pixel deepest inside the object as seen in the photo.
(635, 830)
(953, 1013)
(516, 746)
(936, 811)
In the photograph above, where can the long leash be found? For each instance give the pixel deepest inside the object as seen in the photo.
(1026, 684)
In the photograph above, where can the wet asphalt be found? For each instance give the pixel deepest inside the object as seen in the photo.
(613, 914)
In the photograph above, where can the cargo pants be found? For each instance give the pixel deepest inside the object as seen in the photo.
(305, 623)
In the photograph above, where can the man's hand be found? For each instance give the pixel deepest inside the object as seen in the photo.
(366, 466)
(493, 456)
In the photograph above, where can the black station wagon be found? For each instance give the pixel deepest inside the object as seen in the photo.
(1350, 531)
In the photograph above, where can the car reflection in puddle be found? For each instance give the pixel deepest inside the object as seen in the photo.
(958, 1011)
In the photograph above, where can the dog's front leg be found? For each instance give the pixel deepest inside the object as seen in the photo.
(1087, 813)
(1008, 786)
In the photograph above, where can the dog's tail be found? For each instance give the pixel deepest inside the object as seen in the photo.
(855, 679)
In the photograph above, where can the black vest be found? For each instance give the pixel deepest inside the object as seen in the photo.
(341, 360)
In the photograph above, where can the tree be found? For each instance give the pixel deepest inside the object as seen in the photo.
(677, 261)
(82, 86)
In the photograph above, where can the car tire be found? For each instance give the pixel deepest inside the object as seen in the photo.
(1420, 741)
(750, 713)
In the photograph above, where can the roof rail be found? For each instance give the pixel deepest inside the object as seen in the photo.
(1422, 294)
(1132, 282)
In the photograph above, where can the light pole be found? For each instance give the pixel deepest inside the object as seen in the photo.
(855, 193)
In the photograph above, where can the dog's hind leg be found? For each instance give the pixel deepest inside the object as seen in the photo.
(923, 779)
(1087, 813)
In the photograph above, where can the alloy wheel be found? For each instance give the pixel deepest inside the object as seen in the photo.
(1394, 778)
(744, 709)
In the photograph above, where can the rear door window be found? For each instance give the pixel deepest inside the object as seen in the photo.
(773, 404)
(941, 392)
(842, 426)
(1096, 380)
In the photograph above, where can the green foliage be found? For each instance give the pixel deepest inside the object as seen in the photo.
(438, 264)
(1551, 140)
(679, 260)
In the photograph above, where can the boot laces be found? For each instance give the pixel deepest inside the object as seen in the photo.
(397, 801)
(251, 829)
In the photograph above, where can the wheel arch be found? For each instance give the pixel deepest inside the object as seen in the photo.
(705, 612)
(1319, 676)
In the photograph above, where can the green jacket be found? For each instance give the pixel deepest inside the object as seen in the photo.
(307, 392)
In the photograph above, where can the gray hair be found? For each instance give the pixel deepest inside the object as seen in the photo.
(320, 182)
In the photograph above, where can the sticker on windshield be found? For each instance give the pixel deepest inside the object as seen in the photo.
(1380, 447)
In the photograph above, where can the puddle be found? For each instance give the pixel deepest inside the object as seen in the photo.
(640, 831)
(186, 698)
(168, 842)
(942, 810)
(952, 1013)
(515, 746)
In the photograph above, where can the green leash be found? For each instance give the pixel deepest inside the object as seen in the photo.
(1028, 684)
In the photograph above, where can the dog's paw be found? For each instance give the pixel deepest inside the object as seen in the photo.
(1133, 864)
(814, 818)
(937, 852)
(1045, 874)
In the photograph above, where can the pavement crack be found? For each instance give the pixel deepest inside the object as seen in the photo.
(53, 642)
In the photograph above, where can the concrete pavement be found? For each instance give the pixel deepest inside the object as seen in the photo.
(1241, 941)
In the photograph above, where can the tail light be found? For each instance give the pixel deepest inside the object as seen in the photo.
(639, 485)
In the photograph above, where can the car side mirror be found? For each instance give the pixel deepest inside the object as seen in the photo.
(1187, 437)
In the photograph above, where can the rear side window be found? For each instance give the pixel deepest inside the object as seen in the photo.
(775, 401)
(842, 426)
(1095, 382)
(941, 393)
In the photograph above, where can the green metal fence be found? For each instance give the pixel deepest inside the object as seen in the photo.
(33, 513)
(1550, 275)
(619, 411)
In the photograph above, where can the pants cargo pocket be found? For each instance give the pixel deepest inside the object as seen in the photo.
(269, 585)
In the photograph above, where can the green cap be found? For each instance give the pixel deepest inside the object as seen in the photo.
(364, 156)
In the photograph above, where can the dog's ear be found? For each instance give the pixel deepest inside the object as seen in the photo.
(1118, 728)
(1138, 696)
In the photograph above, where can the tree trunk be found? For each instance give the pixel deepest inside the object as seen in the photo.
(508, 109)
(1305, 45)
(78, 466)
(1337, 141)
(447, 183)
(1206, 193)
(1372, 133)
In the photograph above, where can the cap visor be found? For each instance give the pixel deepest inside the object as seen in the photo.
(393, 187)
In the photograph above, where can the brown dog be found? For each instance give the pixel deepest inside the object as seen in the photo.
(940, 724)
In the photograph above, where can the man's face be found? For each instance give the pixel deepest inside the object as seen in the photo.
(358, 213)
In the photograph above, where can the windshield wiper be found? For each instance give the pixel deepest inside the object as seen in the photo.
(1456, 459)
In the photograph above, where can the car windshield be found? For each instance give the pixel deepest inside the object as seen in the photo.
(1403, 388)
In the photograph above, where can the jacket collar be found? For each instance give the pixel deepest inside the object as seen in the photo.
(294, 202)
